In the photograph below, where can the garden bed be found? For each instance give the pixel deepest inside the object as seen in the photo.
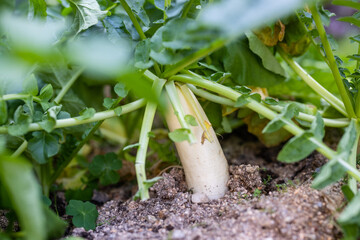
(266, 200)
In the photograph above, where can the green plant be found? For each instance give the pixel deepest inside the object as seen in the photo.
(51, 106)
(257, 193)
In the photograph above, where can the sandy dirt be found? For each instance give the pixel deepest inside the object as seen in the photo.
(266, 200)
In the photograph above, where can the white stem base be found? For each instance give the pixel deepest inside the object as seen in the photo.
(205, 166)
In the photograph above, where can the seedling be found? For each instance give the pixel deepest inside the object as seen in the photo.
(257, 193)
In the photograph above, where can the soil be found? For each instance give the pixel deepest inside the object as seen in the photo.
(266, 200)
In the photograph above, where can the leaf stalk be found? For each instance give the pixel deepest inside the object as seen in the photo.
(290, 126)
(332, 63)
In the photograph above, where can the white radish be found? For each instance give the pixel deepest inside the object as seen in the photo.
(205, 166)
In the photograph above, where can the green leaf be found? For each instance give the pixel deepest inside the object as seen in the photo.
(30, 85)
(37, 8)
(225, 123)
(3, 112)
(291, 110)
(349, 219)
(214, 113)
(86, 114)
(165, 150)
(242, 100)
(325, 15)
(72, 103)
(234, 17)
(21, 186)
(347, 141)
(43, 146)
(120, 90)
(347, 3)
(49, 119)
(247, 68)
(331, 172)
(180, 134)
(354, 57)
(84, 214)
(348, 193)
(46, 93)
(355, 38)
(99, 55)
(105, 167)
(4, 236)
(108, 102)
(298, 148)
(255, 96)
(191, 120)
(78, 194)
(267, 58)
(55, 226)
(31, 40)
(243, 89)
(271, 101)
(87, 14)
(318, 127)
(351, 20)
(134, 80)
(161, 4)
(3, 141)
(47, 202)
(22, 121)
(118, 111)
(142, 55)
(179, 38)
(184, 33)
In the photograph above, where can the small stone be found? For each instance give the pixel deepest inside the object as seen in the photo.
(178, 234)
(151, 218)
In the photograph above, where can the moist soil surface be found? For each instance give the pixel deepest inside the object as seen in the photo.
(266, 200)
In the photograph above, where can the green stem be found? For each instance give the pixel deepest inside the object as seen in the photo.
(70, 122)
(157, 68)
(332, 63)
(20, 149)
(357, 99)
(338, 123)
(290, 126)
(144, 141)
(113, 136)
(211, 97)
(311, 82)
(138, 29)
(313, 41)
(68, 85)
(178, 109)
(173, 69)
(133, 19)
(187, 8)
(358, 61)
(112, 7)
(8, 97)
(125, 109)
(352, 160)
